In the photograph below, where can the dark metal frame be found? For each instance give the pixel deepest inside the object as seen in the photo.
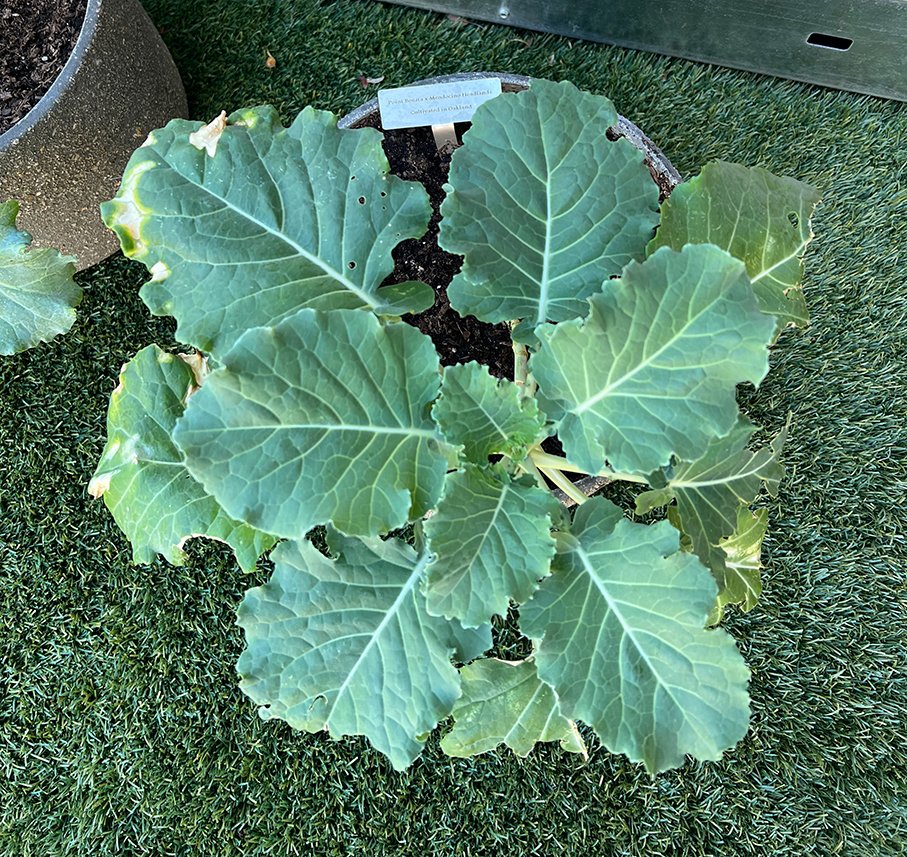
(860, 46)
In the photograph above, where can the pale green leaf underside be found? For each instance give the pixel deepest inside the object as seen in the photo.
(492, 543)
(543, 205)
(760, 218)
(321, 418)
(652, 373)
(710, 493)
(621, 639)
(741, 583)
(347, 645)
(277, 219)
(486, 415)
(504, 702)
(143, 478)
(37, 291)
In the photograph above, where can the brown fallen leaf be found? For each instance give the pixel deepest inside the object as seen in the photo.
(270, 62)
(365, 82)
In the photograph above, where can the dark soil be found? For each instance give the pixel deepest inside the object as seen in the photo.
(36, 39)
(413, 155)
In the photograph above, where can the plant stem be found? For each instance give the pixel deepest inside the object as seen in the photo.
(528, 466)
(556, 462)
(565, 485)
(520, 363)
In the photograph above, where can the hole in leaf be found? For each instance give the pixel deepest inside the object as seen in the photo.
(361, 200)
(383, 193)
(351, 265)
(824, 40)
(794, 219)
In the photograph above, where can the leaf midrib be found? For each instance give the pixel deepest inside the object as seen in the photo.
(609, 389)
(628, 630)
(301, 251)
(391, 612)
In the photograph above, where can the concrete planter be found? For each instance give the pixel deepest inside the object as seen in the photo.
(68, 153)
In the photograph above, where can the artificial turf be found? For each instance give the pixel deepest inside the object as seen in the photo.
(122, 729)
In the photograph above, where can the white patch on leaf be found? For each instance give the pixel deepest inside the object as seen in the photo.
(159, 272)
(208, 135)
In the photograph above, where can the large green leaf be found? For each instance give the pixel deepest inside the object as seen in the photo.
(504, 702)
(492, 543)
(710, 490)
(543, 205)
(348, 646)
(323, 417)
(486, 415)
(621, 640)
(142, 475)
(37, 292)
(760, 218)
(244, 223)
(652, 372)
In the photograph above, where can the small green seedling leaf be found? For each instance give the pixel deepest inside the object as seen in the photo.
(759, 218)
(505, 702)
(543, 206)
(322, 418)
(37, 291)
(652, 373)
(243, 222)
(142, 476)
(491, 543)
(486, 415)
(347, 646)
(621, 639)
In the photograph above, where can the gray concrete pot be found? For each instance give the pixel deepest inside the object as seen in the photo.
(68, 153)
(662, 169)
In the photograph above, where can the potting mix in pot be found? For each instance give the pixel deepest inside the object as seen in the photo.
(410, 493)
(38, 38)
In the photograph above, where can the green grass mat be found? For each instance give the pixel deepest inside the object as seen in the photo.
(122, 729)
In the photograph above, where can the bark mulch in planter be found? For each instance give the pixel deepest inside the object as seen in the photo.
(37, 37)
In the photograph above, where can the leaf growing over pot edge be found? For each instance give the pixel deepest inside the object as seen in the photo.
(653, 371)
(346, 645)
(621, 640)
(543, 205)
(37, 291)
(322, 418)
(491, 541)
(276, 219)
(759, 218)
(505, 702)
(142, 475)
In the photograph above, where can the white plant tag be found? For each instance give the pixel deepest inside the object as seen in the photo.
(434, 103)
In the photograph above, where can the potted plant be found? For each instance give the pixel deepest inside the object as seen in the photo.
(309, 402)
(63, 154)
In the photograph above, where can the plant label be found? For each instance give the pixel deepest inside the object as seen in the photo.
(434, 103)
